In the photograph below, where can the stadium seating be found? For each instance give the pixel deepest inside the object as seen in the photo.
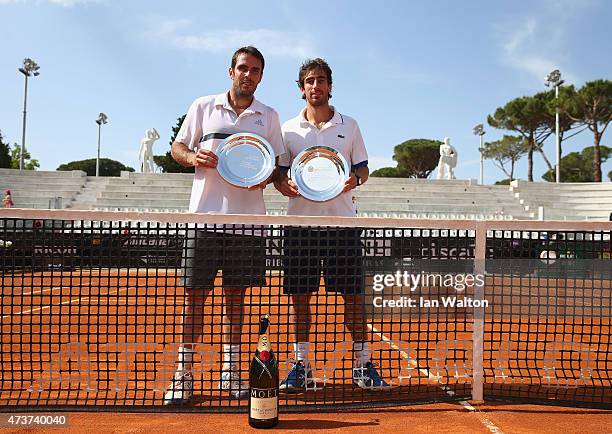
(42, 189)
(566, 201)
(379, 197)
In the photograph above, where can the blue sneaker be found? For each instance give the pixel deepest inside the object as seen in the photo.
(367, 377)
(296, 380)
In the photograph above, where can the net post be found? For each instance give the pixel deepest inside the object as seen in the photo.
(478, 326)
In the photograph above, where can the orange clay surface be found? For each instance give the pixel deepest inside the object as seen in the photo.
(108, 323)
(429, 418)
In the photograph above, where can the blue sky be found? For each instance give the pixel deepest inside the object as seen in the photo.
(403, 69)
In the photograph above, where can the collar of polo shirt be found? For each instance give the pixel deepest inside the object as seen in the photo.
(223, 101)
(336, 118)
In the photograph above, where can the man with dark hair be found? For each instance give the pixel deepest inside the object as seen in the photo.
(310, 65)
(240, 255)
(336, 252)
(252, 51)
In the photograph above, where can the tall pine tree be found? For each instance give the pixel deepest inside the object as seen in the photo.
(5, 154)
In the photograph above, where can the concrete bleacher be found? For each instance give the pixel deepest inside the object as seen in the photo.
(567, 201)
(42, 189)
(379, 197)
(386, 197)
(151, 191)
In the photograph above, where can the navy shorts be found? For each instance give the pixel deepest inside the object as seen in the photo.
(241, 258)
(338, 253)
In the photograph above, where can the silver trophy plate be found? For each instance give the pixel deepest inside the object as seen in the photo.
(320, 173)
(245, 159)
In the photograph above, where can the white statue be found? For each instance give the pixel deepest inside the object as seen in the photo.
(448, 160)
(145, 154)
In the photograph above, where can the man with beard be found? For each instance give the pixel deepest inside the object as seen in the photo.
(336, 252)
(240, 254)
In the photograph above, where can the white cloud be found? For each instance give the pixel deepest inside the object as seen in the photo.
(523, 49)
(522, 34)
(537, 45)
(272, 42)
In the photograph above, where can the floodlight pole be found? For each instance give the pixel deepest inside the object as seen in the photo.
(23, 130)
(479, 131)
(481, 161)
(554, 79)
(557, 137)
(98, 155)
(28, 69)
(102, 119)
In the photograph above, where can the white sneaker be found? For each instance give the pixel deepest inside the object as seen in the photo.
(180, 390)
(231, 382)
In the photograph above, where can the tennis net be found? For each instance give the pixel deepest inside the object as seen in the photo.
(93, 308)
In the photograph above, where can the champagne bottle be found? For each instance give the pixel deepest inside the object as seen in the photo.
(263, 381)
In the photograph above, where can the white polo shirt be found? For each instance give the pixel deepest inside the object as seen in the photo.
(210, 193)
(342, 133)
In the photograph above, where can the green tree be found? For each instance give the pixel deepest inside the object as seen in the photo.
(578, 166)
(610, 175)
(387, 172)
(591, 106)
(416, 158)
(166, 162)
(504, 181)
(28, 162)
(108, 167)
(5, 154)
(509, 149)
(527, 116)
(566, 123)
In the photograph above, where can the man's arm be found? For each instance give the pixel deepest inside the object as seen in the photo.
(362, 172)
(188, 158)
(359, 157)
(283, 183)
(280, 177)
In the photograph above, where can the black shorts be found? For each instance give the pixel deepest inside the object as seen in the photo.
(241, 258)
(336, 252)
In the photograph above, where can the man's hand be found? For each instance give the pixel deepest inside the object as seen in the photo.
(287, 187)
(350, 183)
(261, 185)
(205, 158)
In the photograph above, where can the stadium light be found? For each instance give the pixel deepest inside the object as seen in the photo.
(554, 79)
(479, 131)
(29, 69)
(102, 119)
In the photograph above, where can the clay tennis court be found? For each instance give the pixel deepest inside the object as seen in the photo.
(85, 338)
(109, 338)
(426, 418)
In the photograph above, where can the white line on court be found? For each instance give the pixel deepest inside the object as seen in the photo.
(74, 300)
(42, 291)
(38, 292)
(483, 419)
(92, 273)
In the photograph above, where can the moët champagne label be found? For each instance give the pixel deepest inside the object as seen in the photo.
(264, 403)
